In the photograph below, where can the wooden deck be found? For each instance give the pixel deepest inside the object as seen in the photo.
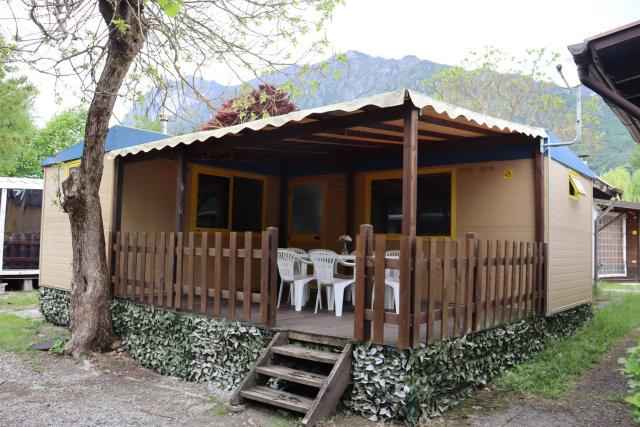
(324, 323)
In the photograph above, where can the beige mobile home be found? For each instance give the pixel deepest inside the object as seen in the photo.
(460, 223)
(318, 174)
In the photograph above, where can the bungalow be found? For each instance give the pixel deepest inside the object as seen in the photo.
(486, 230)
(55, 262)
(20, 211)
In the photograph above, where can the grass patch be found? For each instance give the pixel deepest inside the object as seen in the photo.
(19, 299)
(605, 286)
(18, 333)
(549, 372)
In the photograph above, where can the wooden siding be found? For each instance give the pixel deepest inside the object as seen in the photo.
(55, 241)
(149, 195)
(570, 250)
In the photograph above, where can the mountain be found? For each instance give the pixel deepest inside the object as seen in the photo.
(360, 76)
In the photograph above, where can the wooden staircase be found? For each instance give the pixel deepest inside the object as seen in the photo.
(309, 381)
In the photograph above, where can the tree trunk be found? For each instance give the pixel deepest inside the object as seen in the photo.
(91, 328)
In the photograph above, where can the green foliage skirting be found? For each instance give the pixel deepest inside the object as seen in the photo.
(224, 351)
(157, 339)
(54, 305)
(424, 382)
(178, 344)
(187, 346)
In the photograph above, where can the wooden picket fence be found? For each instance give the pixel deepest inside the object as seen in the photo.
(169, 270)
(447, 287)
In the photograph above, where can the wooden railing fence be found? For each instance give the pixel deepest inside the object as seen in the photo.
(447, 287)
(169, 270)
(21, 251)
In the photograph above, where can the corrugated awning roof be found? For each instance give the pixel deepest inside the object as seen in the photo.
(19, 183)
(442, 121)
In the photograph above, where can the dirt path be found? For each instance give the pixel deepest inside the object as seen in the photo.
(111, 390)
(595, 399)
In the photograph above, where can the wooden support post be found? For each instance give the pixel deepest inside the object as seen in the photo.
(350, 186)
(273, 275)
(539, 194)
(283, 203)
(410, 172)
(409, 213)
(364, 283)
(116, 215)
(181, 180)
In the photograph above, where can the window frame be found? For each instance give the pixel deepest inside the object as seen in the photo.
(196, 170)
(70, 165)
(576, 184)
(395, 174)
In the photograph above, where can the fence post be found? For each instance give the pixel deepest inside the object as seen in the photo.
(469, 293)
(273, 276)
(364, 283)
(407, 245)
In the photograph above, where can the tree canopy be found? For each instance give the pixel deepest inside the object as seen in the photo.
(16, 99)
(265, 101)
(122, 48)
(516, 89)
(61, 131)
(627, 181)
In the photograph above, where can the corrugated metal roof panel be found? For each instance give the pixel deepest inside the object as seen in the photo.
(17, 183)
(118, 137)
(384, 100)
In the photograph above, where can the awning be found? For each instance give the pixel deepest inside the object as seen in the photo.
(441, 121)
(22, 183)
(608, 64)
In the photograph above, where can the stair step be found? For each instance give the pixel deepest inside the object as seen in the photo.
(293, 375)
(306, 353)
(278, 398)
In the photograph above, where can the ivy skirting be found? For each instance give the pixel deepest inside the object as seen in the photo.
(387, 383)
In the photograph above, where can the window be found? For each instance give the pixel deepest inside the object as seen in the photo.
(434, 210)
(222, 200)
(247, 204)
(72, 165)
(576, 189)
(212, 209)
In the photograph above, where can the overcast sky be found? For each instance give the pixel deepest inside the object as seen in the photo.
(445, 31)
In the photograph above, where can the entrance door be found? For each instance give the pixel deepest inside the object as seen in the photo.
(307, 202)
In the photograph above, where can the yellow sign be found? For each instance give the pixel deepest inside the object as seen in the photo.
(508, 174)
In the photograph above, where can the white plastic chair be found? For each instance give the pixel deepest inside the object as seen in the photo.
(324, 263)
(301, 270)
(287, 261)
(392, 279)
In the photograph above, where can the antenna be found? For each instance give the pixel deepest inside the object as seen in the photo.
(164, 120)
(546, 145)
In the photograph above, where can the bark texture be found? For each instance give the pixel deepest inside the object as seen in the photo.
(90, 324)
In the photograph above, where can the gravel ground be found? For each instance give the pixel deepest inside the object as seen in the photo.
(113, 390)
